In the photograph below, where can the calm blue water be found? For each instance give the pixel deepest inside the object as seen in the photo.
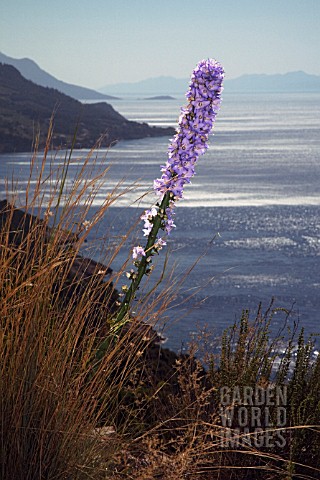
(253, 207)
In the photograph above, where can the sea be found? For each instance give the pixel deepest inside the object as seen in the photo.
(248, 230)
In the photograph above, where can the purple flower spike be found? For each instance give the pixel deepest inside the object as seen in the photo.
(190, 141)
(195, 123)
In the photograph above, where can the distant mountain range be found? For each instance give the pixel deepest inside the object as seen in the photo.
(26, 108)
(31, 71)
(256, 83)
(292, 82)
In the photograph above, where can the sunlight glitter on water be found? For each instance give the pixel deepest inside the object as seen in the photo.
(258, 185)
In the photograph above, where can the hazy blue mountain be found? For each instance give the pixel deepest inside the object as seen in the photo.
(255, 83)
(151, 86)
(31, 71)
(288, 82)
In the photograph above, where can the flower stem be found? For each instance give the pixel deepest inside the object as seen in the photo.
(144, 262)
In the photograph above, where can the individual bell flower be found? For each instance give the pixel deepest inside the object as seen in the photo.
(159, 244)
(138, 252)
(149, 214)
(148, 220)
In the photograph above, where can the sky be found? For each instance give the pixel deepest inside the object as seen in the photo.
(99, 42)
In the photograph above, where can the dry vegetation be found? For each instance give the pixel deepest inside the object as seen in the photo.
(137, 411)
